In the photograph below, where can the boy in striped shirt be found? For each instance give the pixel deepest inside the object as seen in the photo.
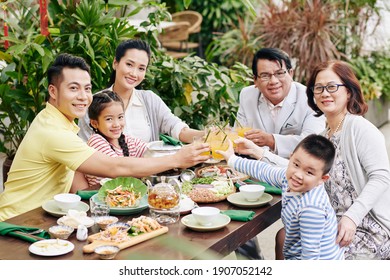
(308, 217)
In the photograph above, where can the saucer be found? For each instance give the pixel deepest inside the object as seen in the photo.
(212, 161)
(220, 222)
(66, 221)
(50, 206)
(238, 200)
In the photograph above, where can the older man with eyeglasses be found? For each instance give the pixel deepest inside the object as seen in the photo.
(276, 106)
(277, 110)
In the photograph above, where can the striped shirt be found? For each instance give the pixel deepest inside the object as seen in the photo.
(137, 148)
(309, 219)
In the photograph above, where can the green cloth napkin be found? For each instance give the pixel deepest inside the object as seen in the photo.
(85, 195)
(170, 140)
(9, 229)
(268, 188)
(239, 215)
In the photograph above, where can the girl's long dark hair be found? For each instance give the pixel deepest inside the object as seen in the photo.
(100, 101)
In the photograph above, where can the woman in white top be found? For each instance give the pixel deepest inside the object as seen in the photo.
(146, 113)
(359, 184)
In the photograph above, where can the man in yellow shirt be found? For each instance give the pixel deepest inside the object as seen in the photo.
(51, 151)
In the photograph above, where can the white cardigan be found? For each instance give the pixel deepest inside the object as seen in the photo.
(363, 148)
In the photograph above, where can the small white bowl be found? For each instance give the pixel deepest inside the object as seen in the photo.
(107, 252)
(60, 231)
(104, 221)
(252, 192)
(205, 215)
(67, 201)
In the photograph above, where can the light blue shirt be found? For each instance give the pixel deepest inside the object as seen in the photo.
(309, 219)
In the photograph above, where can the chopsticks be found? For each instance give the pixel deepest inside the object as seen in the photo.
(29, 235)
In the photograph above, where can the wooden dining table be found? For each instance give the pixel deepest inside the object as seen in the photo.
(179, 243)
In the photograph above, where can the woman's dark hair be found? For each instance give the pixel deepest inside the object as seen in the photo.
(356, 104)
(100, 101)
(123, 47)
(272, 54)
(319, 147)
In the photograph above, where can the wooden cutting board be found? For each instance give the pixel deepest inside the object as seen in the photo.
(89, 248)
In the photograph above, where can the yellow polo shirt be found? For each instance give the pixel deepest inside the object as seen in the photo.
(44, 163)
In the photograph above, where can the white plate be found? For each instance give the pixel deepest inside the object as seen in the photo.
(51, 247)
(212, 161)
(220, 222)
(186, 204)
(160, 146)
(50, 206)
(88, 222)
(238, 200)
(104, 180)
(143, 204)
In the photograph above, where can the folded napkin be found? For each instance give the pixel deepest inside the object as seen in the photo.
(268, 188)
(170, 140)
(239, 215)
(85, 195)
(9, 229)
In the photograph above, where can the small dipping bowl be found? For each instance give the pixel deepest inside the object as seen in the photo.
(252, 192)
(107, 252)
(118, 226)
(60, 231)
(205, 215)
(104, 221)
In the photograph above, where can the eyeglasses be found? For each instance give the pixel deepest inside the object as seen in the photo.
(267, 76)
(329, 88)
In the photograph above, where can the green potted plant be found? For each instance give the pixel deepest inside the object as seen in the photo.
(23, 77)
(373, 82)
(22, 93)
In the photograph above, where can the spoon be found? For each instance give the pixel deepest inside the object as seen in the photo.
(36, 231)
(187, 175)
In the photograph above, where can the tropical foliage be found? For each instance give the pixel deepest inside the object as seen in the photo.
(195, 90)
(309, 30)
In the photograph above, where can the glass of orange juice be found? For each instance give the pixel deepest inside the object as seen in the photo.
(232, 135)
(241, 129)
(218, 145)
(202, 139)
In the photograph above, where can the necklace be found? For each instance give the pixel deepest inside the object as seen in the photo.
(337, 128)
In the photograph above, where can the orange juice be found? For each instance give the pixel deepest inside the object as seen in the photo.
(232, 135)
(241, 130)
(200, 139)
(218, 145)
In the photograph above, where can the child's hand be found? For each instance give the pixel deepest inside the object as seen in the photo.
(247, 147)
(228, 153)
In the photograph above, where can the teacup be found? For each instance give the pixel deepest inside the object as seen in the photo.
(205, 215)
(252, 192)
(67, 201)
